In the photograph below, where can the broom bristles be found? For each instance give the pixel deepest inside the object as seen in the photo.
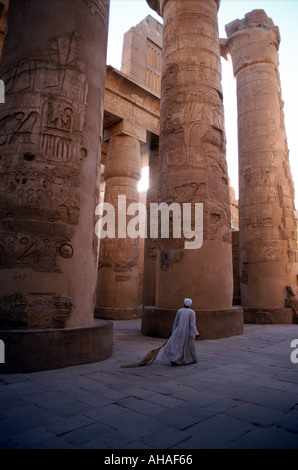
(150, 356)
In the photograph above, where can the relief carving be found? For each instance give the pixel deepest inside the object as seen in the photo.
(184, 193)
(260, 186)
(40, 204)
(264, 250)
(30, 311)
(42, 194)
(56, 131)
(192, 123)
(33, 251)
(118, 255)
(169, 258)
(256, 222)
(217, 219)
(17, 127)
(21, 77)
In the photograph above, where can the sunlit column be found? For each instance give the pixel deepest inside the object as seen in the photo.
(193, 166)
(118, 272)
(268, 229)
(149, 278)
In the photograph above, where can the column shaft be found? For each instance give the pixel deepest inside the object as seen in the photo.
(54, 75)
(193, 166)
(268, 256)
(192, 153)
(118, 274)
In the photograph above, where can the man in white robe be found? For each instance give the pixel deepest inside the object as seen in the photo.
(180, 347)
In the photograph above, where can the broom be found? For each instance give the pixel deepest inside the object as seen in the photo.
(150, 356)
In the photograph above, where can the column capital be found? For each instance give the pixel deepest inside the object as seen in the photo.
(252, 40)
(159, 5)
(255, 20)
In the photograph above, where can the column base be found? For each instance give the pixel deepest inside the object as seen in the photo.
(111, 313)
(269, 316)
(211, 324)
(35, 350)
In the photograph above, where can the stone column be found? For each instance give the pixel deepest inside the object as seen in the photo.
(53, 66)
(149, 278)
(118, 274)
(193, 169)
(268, 248)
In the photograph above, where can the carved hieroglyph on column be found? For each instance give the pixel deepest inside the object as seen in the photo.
(118, 273)
(50, 128)
(268, 248)
(193, 166)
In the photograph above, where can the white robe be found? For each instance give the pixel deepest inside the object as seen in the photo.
(180, 347)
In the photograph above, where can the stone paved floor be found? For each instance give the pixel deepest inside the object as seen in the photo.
(242, 394)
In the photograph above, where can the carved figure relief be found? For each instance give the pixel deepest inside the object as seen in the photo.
(260, 186)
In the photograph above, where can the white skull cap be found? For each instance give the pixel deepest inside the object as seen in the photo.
(187, 302)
